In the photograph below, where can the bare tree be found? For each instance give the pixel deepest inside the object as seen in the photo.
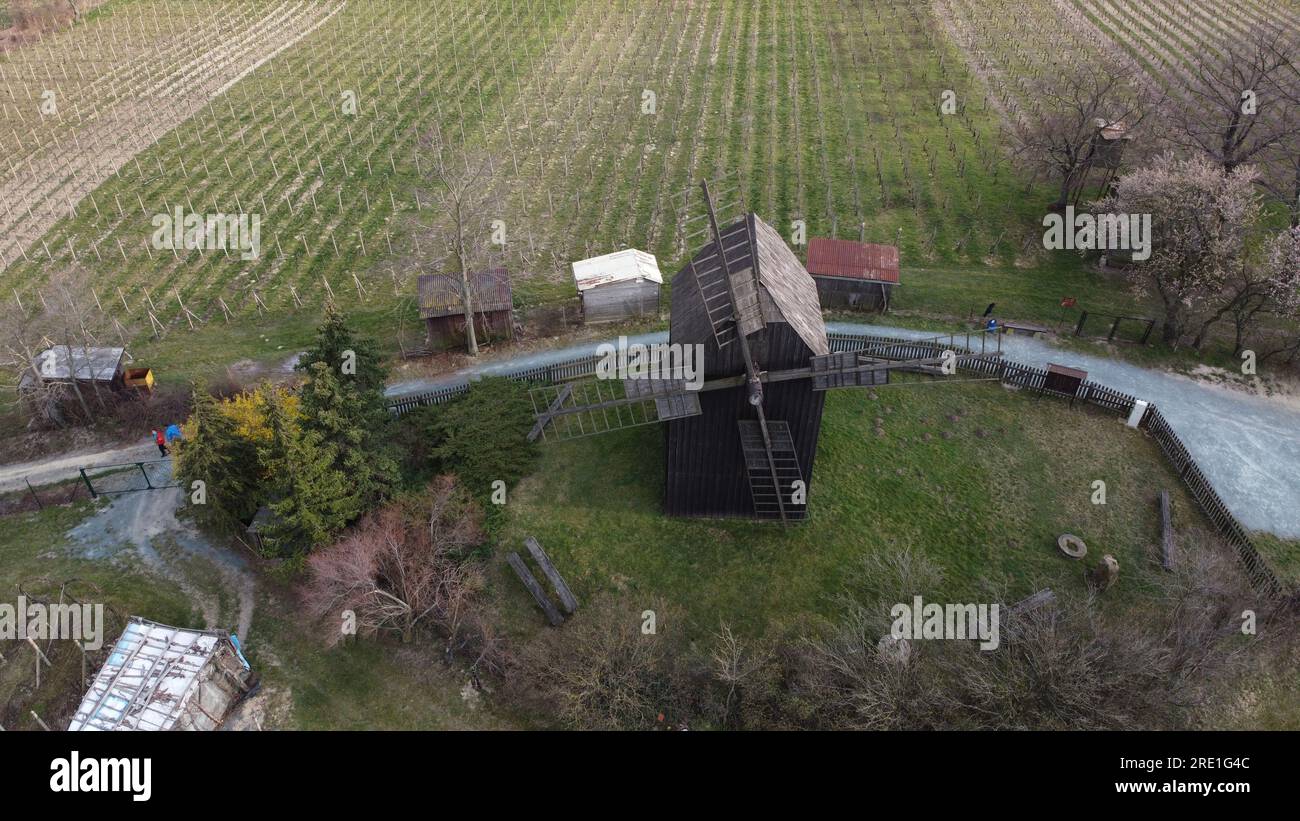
(1239, 100)
(1202, 223)
(396, 570)
(602, 671)
(1057, 134)
(464, 204)
(67, 316)
(1283, 177)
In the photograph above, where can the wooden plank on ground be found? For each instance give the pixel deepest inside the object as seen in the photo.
(567, 601)
(1030, 603)
(1166, 532)
(530, 581)
(555, 405)
(1014, 614)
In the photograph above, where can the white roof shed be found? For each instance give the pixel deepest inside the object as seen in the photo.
(621, 266)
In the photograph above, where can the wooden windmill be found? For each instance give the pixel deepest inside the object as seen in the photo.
(743, 444)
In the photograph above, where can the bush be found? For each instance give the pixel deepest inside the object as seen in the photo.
(481, 437)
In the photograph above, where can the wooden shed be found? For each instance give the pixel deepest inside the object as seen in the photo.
(66, 364)
(617, 286)
(706, 466)
(853, 274)
(442, 307)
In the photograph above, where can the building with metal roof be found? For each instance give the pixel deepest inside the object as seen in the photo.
(617, 286)
(68, 363)
(165, 678)
(442, 306)
(853, 274)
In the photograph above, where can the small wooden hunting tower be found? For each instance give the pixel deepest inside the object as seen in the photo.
(621, 285)
(853, 274)
(442, 307)
(707, 463)
(1107, 147)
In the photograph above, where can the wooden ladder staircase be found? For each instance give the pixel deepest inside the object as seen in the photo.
(785, 460)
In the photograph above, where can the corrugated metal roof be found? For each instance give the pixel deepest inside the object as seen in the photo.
(89, 364)
(440, 293)
(149, 679)
(852, 260)
(616, 267)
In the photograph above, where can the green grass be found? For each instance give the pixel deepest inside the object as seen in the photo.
(1282, 555)
(367, 685)
(34, 547)
(813, 91)
(986, 503)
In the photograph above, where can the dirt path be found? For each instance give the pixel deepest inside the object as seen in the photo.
(144, 525)
(63, 467)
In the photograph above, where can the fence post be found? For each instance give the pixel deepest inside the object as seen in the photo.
(148, 485)
(89, 486)
(1114, 328)
(32, 490)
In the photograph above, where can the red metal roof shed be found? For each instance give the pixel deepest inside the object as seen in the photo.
(852, 260)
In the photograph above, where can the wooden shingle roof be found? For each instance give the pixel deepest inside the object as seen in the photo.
(440, 294)
(786, 293)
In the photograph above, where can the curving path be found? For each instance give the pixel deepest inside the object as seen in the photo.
(1248, 446)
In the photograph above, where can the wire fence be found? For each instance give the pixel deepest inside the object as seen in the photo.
(128, 477)
(969, 348)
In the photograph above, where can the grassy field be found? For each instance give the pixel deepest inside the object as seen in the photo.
(980, 478)
(826, 112)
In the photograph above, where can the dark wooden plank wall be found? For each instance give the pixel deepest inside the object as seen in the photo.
(839, 293)
(704, 466)
(445, 331)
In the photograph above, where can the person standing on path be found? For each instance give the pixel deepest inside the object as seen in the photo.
(161, 441)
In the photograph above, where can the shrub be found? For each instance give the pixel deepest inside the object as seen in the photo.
(481, 436)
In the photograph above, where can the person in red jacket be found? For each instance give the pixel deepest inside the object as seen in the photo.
(161, 441)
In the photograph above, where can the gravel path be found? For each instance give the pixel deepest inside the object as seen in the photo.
(1248, 446)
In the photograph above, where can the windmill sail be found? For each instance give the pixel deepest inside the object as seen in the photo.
(577, 409)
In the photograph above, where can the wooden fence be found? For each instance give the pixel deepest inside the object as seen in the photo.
(1011, 373)
(1153, 422)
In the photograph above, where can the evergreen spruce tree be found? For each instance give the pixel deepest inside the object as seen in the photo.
(216, 455)
(312, 499)
(355, 427)
(334, 338)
